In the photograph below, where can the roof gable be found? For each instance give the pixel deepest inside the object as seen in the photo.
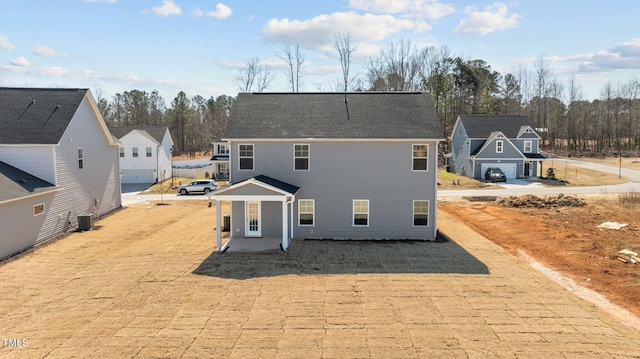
(156, 132)
(263, 184)
(491, 140)
(481, 126)
(37, 115)
(383, 115)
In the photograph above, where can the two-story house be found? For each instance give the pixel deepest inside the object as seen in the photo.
(220, 160)
(332, 165)
(58, 162)
(145, 153)
(507, 142)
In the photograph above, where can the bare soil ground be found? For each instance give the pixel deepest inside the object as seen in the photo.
(567, 240)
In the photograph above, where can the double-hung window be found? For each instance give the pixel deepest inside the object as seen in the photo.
(527, 146)
(420, 213)
(499, 146)
(121, 151)
(245, 157)
(300, 157)
(360, 212)
(149, 153)
(420, 156)
(306, 212)
(134, 152)
(80, 158)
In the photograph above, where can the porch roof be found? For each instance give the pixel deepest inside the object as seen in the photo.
(258, 186)
(535, 156)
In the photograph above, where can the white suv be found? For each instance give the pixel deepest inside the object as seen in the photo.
(204, 186)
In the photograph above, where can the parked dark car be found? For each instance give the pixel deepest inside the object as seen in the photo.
(495, 174)
(204, 186)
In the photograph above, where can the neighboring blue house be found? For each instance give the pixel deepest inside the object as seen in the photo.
(58, 165)
(357, 165)
(507, 142)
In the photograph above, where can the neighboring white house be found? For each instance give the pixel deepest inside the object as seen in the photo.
(145, 153)
(220, 160)
(58, 164)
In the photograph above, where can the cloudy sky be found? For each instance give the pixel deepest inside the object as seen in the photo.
(197, 46)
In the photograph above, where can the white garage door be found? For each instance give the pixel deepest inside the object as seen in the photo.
(137, 176)
(509, 169)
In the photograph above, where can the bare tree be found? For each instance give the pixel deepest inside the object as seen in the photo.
(342, 44)
(254, 74)
(294, 59)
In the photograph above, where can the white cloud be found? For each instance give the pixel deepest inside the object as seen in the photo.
(167, 8)
(5, 44)
(493, 18)
(46, 51)
(430, 9)
(318, 33)
(20, 62)
(619, 57)
(222, 12)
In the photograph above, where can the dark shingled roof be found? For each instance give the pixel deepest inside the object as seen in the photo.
(380, 115)
(36, 115)
(15, 183)
(278, 184)
(157, 132)
(481, 126)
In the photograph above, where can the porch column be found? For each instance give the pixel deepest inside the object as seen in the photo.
(285, 225)
(218, 226)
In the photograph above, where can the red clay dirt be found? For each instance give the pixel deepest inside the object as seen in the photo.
(567, 240)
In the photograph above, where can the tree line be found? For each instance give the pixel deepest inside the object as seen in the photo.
(567, 123)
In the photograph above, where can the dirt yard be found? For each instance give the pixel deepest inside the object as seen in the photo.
(567, 240)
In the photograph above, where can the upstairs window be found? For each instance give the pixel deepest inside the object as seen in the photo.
(223, 149)
(245, 157)
(80, 158)
(134, 152)
(121, 151)
(149, 154)
(305, 212)
(360, 213)
(527, 146)
(301, 157)
(499, 146)
(420, 156)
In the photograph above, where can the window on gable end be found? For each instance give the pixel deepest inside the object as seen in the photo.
(80, 158)
(499, 146)
(527, 146)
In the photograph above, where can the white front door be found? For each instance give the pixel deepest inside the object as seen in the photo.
(253, 227)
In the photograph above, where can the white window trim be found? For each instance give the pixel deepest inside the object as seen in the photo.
(223, 149)
(414, 212)
(313, 212)
(308, 156)
(253, 157)
(121, 152)
(413, 158)
(80, 158)
(34, 209)
(499, 146)
(353, 213)
(148, 151)
(530, 143)
(135, 152)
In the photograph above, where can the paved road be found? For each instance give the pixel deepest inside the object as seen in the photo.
(513, 188)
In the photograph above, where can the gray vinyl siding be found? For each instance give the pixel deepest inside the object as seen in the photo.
(36, 160)
(271, 216)
(98, 180)
(340, 172)
(16, 238)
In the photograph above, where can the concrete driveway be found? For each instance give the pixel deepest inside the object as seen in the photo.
(100, 295)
